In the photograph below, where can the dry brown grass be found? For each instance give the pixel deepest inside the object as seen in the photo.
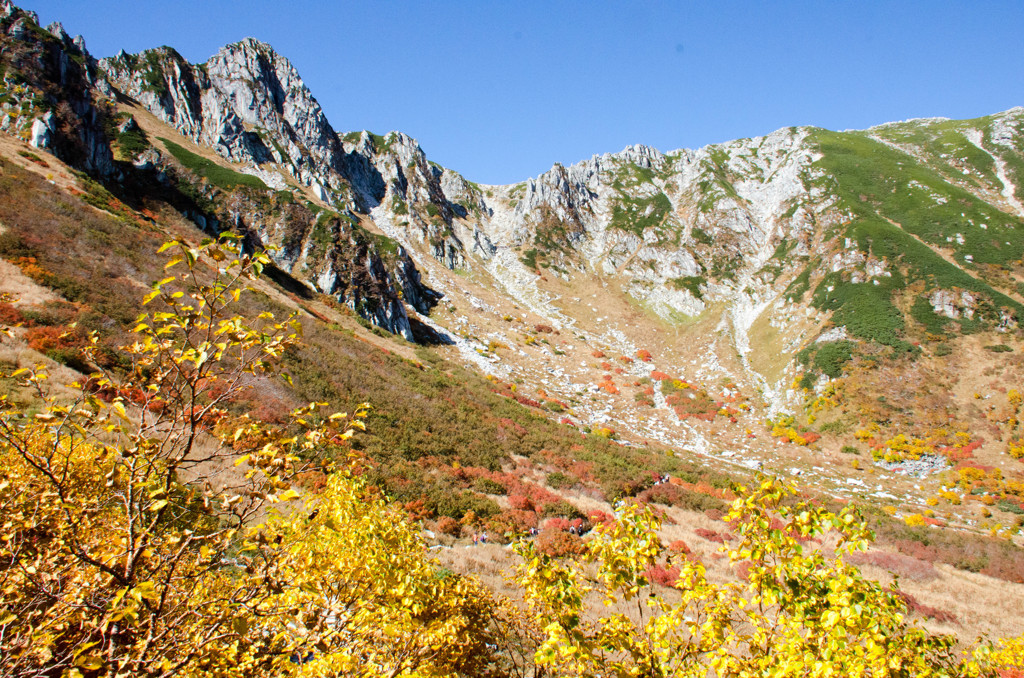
(24, 290)
(978, 604)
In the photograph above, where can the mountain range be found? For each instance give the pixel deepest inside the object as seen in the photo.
(838, 306)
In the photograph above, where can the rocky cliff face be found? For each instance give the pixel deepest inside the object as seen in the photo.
(249, 104)
(49, 92)
(246, 102)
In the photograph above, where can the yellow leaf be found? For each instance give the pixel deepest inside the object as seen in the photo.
(89, 662)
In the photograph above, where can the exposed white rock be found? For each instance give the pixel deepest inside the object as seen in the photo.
(834, 334)
(42, 132)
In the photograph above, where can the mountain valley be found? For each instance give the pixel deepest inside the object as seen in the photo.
(840, 309)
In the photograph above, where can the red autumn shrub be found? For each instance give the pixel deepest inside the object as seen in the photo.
(538, 496)
(660, 376)
(449, 526)
(597, 354)
(742, 569)
(906, 567)
(662, 576)
(529, 402)
(520, 503)
(45, 339)
(314, 481)
(711, 535)
(680, 547)
(600, 517)
(559, 544)
(645, 355)
(916, 607)
(557, 524)
(269, 409)
(606, 366)
(9, 315)
(583, 470)
(417, 509)
(511, 524)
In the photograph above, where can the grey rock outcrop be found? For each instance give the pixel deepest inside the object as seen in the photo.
(246, 102)
(57, 111)
(41, 135)
(250, 105)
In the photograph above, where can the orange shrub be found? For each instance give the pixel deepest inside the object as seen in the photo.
(679, 546)
(511, 524)
(9, 315)
(45, 339)
(449, 526)
(559, 544)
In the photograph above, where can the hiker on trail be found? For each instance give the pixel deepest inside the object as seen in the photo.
(476, 539)
(483, 538)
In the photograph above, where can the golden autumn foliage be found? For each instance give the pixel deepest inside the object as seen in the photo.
(135, 543)
(797, 612)
(147, 534)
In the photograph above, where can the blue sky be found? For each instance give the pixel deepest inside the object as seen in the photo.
(501, 90)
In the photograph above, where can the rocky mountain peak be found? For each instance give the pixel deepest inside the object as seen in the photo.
(247, 102)
(641, 156)
(8, 8)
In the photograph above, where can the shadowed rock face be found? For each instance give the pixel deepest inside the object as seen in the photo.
(51, 104)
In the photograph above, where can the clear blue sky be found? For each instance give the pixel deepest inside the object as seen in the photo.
(501, 90)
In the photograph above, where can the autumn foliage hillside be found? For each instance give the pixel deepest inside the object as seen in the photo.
(151, 532)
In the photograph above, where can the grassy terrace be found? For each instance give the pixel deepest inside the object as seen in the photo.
(217, 175)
